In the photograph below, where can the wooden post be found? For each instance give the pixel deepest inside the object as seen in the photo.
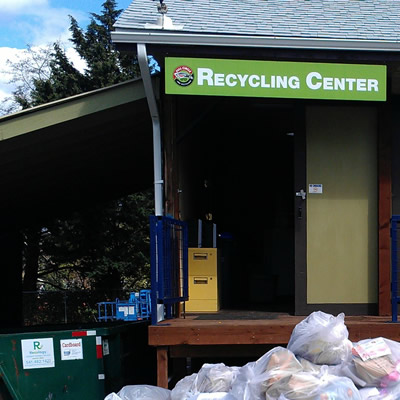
(170, 158)
(385, 195)
(162, 367)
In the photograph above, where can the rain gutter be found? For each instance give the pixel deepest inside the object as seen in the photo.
(195, 39)
(155, 118)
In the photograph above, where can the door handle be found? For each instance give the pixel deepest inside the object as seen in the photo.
(301, 194)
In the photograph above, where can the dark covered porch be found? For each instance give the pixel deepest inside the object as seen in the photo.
(62, 156)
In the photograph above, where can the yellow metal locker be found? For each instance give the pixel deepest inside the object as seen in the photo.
(203, 280)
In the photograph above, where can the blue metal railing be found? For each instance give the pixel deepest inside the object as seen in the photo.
(395, 246)
(169, 265)
(136, 308)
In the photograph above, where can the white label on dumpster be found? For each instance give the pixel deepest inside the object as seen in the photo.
(71, 349)
(106, 348)
(37, 353)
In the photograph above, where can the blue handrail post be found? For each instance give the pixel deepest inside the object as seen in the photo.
(153, 268)
(169, 275)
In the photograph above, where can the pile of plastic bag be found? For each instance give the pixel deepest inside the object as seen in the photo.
(319, 363)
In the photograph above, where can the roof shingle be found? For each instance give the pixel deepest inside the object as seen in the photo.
(347, 19)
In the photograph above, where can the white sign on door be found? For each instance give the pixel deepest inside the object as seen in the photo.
(37, 353)
(315, 188)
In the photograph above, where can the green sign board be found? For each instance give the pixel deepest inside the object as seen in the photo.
(281, 79)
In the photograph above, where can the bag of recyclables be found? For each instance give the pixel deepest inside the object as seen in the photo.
(319, 363)
(321, 338)
(305, 386)
(279, 374)
(256, 378)
(373, 393)
(377, 362)
(212, 378)
(213, 396)
(140, 392)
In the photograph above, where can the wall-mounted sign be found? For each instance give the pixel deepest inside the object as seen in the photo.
(71, 349)
(37, 353)
(281, 79)
(315, 188)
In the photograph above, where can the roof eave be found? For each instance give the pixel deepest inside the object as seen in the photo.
(198, 39)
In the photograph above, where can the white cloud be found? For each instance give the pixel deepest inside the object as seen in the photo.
(46, 25)
(18, 6)
(3, 94)
(7, 53)
(36, 22)
(76, 60)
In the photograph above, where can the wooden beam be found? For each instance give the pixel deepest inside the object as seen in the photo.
(224, 351)
(190, 332)
(170, 158)
(162, 367)
(221, 333)
(385, 193)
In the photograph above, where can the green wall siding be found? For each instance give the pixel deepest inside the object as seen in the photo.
(342, 230)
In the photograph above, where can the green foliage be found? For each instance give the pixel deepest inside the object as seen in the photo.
(95, 254)
(105, 65)
(46, 74)
(104, 247)
(64, 80)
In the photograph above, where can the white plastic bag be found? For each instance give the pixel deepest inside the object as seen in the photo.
(185, 388)
(305, 386)
(211, 378)
(213, 396)
(112, 396)
(140, 392)
(215, 378)
(321, 338)
(255, 378)
(296, 386)
(373, 393)
(369, 393)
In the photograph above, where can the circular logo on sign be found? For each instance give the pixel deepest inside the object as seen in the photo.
(183, 75)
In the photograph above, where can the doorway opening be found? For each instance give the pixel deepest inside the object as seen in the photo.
(237, 171)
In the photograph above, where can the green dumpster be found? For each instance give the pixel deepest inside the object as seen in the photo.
(79, 364)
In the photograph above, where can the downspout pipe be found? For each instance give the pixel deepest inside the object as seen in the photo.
(155, 118)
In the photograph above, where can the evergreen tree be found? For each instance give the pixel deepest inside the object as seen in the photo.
(104, 64)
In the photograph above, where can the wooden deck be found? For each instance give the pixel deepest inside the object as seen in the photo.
(197, 336)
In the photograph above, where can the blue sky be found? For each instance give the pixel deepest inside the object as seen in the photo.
(36, 22)
(39, 23)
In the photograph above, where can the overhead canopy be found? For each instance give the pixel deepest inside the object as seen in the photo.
(66, 154)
